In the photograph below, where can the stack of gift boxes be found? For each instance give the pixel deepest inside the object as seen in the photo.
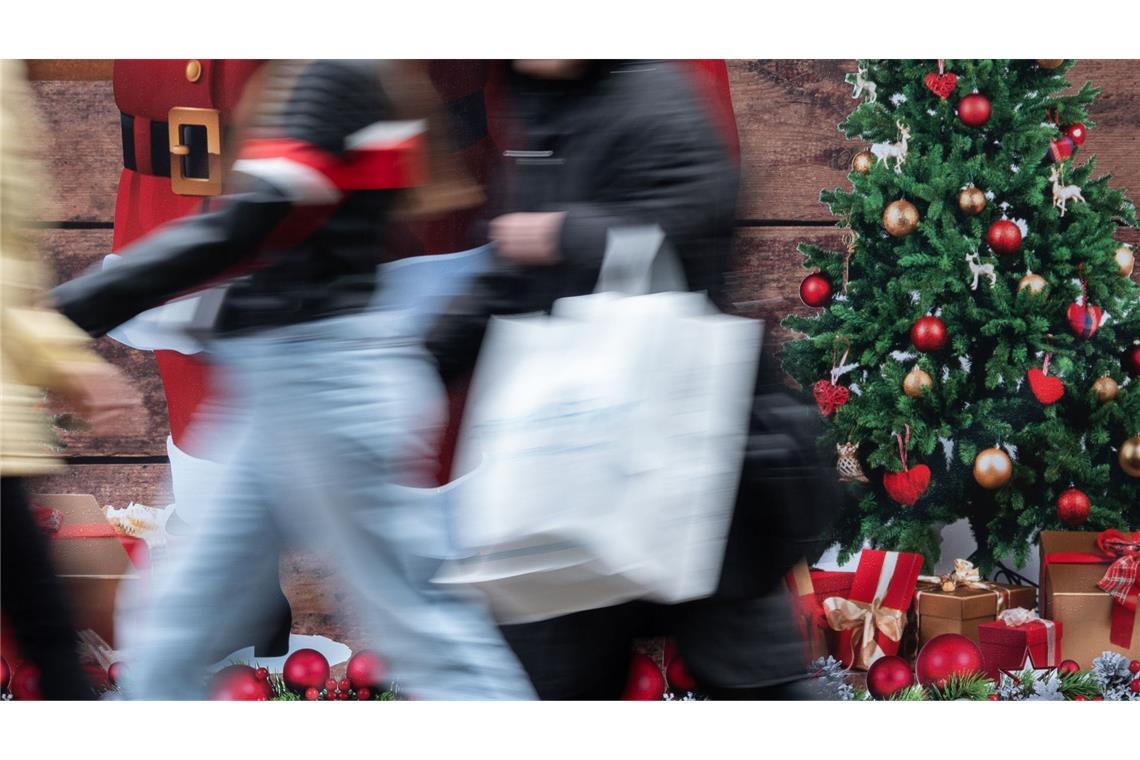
(1087, 605)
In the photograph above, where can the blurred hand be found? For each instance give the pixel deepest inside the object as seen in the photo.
(101, 394)
(530, 239)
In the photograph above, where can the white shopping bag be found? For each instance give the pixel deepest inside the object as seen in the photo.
(604, 443)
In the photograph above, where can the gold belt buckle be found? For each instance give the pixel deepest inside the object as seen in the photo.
(201, 117)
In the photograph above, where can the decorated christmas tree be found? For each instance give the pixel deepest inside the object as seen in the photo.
(976, 348)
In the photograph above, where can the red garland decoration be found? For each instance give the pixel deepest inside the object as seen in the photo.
(908, 486)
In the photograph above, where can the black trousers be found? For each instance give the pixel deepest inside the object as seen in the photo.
(734, 648)
(33, 599)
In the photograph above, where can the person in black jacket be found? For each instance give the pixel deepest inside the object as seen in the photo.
(594, 145)
(343, 404)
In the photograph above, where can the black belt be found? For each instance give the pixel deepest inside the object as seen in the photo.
(195, 164)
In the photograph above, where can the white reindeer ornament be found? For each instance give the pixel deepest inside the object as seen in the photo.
(978, 269)
(1062, 194)
(895, 150)
(864, 85)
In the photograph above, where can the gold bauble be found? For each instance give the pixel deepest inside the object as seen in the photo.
(900, 218)
(1034, 283)
(1105, 389)
(1130, 456)
(992, 468)
(971, 201)
(863, 161)
(1125, 260)
(1050, 63)
(915, 381)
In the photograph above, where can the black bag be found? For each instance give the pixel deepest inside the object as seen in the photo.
(788, 499)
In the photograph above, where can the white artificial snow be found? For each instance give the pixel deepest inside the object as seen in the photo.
(903, 356)
(948, 450)
(990, 195)
(1004, 206)
(842, 297)
(1017, 385)
(1011, 450)
(1014, 168)
(898, 99)
(841, 371)
(1022, 225)
(945, 373)
(856, 389)
(966, 363)
(915, 296)
(931, 112)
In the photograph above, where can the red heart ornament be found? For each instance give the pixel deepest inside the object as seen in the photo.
(829, 396)
(942, 85)
(1047, 389)
(907, 487)
(1084, 320)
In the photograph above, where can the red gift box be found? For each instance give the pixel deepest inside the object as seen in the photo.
(1004, 646)
(871, 618)
(810, 588)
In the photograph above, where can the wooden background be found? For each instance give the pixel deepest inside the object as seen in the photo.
(786, 110)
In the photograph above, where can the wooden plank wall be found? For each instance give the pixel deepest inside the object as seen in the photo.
(787, 112)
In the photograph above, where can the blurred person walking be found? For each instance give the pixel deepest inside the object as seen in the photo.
(39, 349)
(344, 408)
(592, 146)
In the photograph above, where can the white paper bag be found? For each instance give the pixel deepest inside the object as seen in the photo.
(604, 444)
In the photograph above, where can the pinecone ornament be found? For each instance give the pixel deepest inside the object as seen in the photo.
(848, 464)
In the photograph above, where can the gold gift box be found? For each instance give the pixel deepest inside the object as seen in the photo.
(1071, 597)
(964, 609)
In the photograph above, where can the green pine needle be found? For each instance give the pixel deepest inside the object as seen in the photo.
(973, 686)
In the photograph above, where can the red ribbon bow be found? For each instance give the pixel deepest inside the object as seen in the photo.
(1121, 581)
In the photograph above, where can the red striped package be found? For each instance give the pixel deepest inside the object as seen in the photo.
(871, 619)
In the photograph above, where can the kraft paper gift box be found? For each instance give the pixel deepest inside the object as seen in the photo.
(965, 608)
(1071, 566)
(91, 560)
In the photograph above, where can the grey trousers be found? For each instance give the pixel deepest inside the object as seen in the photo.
(339, 418)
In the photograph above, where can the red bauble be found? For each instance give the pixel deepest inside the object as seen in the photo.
(929, 334)
(679, 676)
(1069, 666)
(947, 655)
(305, 668)
(1134, 667)
(815, 290)
(1073, 507)
(1131, 360)
(364, 694)
(1084, 320)
(645, 680)
(366, 670)
(5, 674)
(888, 676)
(1004, 237)
(974, 110)
(1135, 685)
(25, 683)
(1080, 698)
(312, 694)
(116, 672)
(344, 685)
(239, 683)
(1076, 133)
(907, 487)
(994, 698)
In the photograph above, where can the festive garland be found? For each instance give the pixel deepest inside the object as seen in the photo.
(1113, 678)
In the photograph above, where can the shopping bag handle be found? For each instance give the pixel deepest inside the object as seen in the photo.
(638, 260)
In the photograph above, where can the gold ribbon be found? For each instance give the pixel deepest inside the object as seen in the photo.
(864, 620)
